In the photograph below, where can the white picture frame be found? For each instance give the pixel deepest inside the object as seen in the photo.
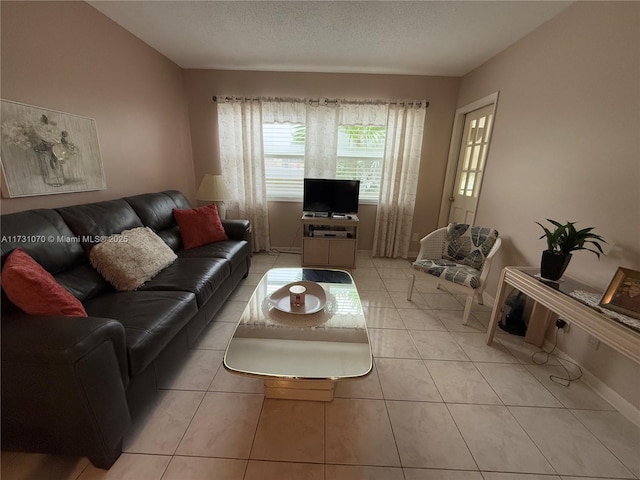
(45, 152)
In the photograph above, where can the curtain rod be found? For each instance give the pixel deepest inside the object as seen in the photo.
(321, 101)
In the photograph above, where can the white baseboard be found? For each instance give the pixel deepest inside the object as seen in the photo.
(623, 406)
(488, 299)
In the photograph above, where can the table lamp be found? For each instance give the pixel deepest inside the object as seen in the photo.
(213, 189)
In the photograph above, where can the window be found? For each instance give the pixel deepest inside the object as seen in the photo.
(359, 156)
(475, 153)
(283, 145)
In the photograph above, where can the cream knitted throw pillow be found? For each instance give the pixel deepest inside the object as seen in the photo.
(131, 258)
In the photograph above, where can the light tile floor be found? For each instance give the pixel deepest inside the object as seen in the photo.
(439, 405)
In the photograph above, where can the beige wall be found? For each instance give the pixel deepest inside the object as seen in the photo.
(284, 217)
(566, 146)
(67, 56)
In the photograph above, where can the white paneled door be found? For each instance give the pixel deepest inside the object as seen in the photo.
(474, 145)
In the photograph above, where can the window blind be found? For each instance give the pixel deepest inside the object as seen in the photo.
(284, 145)
(359, 156)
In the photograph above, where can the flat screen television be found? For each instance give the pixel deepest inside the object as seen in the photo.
(323, 195)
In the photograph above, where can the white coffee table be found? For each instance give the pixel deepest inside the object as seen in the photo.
(302, 356)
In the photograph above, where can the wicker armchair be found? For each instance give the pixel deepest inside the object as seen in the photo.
(460, 254)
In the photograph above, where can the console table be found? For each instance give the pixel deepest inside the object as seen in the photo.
(553, 299)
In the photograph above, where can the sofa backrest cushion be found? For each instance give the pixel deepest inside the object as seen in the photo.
(156, 212)
(93, 222)
(84, 282)
(44, 236)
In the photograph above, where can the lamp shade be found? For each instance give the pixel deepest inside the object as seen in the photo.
(213, 189)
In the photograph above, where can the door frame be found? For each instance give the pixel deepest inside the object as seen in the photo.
(454, 152)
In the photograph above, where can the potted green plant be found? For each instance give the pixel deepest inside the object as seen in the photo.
(561, 241)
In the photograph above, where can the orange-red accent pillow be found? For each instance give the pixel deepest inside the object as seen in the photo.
(199, 226)
(34, 290)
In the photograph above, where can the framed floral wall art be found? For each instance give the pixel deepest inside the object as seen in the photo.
(46, 152)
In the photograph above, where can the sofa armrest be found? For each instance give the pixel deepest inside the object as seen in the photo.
(60, 339)
(63, 386)
(237, 229)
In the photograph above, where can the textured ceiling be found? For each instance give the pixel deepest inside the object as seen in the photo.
(447, 38)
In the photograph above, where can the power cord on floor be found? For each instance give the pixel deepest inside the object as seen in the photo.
(565, 382)
(275, 251)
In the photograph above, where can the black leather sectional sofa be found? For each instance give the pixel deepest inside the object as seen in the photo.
(72, 385)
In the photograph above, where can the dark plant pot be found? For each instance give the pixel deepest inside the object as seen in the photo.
(553, 264)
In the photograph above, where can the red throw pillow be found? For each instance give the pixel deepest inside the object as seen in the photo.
(34, 290)
(199, 226)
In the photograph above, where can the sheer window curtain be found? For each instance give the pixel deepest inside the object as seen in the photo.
(323, 118)
(242, 162)
(320, 119)
(321, 142)
(241, 154)
(394, 219)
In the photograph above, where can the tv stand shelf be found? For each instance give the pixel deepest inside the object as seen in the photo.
(329, 241)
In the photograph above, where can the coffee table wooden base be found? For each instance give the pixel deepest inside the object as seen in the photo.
(313, 390)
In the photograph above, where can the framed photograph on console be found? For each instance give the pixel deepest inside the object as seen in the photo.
(623, 293)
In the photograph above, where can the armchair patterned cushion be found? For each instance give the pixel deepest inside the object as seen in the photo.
(451, 271)
(468, 245)
(459, 254)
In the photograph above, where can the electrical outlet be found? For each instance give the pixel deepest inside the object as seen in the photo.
(414, 237)
(594, 342)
